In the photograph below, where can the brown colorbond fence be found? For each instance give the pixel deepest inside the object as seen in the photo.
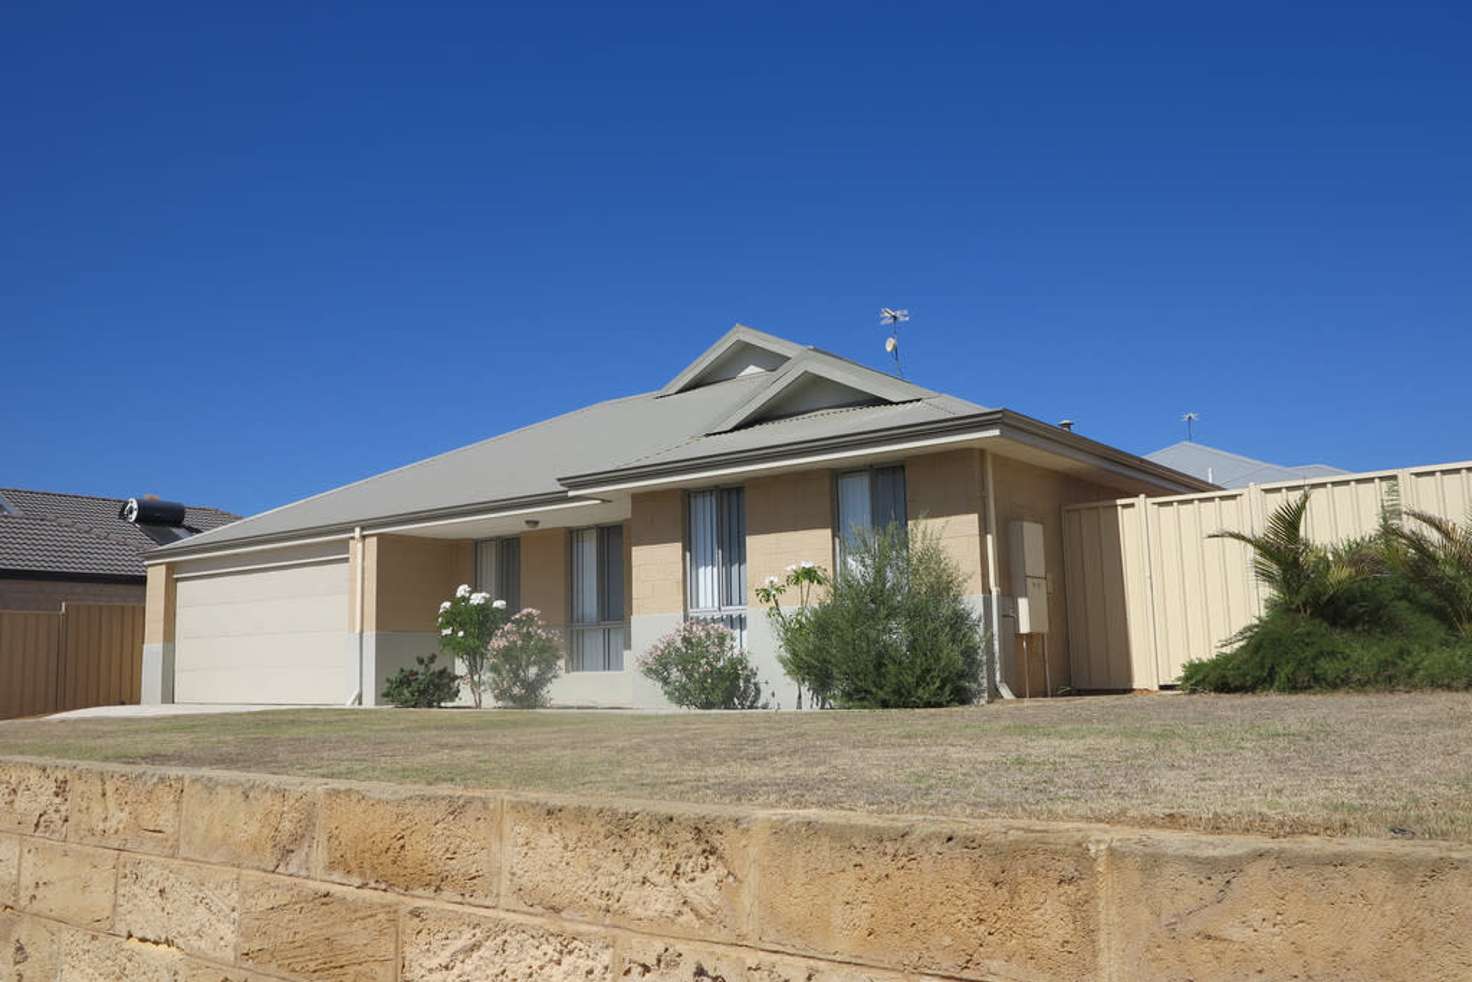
(1148, 589)
(83, 655)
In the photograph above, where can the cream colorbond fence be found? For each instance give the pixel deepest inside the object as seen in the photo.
(1148, 590)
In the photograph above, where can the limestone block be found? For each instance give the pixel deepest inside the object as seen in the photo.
(437, 844)
(1223, 907)
(969, 899)
(441, 945)
(658, 960)
(9, 870)
(74, 884)
(252, 822)
(87, 957)
(304, 930)
(29, 948)
(670, 869)
(195, 908)
(33, 799)
(133, 810)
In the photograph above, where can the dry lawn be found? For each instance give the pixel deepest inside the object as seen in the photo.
(1366, 765)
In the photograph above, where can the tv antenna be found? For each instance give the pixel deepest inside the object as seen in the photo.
(1190, 419)
(892, 318)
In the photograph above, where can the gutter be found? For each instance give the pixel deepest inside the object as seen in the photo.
(991, 423)
(180, 551)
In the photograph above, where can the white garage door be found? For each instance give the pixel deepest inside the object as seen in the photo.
(272, 635)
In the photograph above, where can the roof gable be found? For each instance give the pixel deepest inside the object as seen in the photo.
(816, 381)
(740, 351)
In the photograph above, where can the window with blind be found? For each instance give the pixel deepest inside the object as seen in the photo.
(596, 637)
(717, 558)
(867, 500)
(498, 570)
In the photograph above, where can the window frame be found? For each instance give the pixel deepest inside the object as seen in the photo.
(728, 611)
(607, 623)
(872, 471)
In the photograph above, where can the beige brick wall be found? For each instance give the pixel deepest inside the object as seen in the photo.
(159, 610)
(111, 872)
(944, 494)
(789, 519)
(657, 552)
(22, 594)
(408, 578)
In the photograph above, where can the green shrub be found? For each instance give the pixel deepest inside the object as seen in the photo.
(699, 666)
(425, 687)
(522, 661)
(1286, 651)
(894, 631)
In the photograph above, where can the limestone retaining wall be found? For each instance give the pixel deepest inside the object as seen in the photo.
(152, 874)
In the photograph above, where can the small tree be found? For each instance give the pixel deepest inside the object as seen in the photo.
(523, 660)
(468, 622)
(801, 656)
(1436, 556)
(699, 666)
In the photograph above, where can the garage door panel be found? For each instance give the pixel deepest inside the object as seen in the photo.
(253, 617)
(263, 636)
(327, 579)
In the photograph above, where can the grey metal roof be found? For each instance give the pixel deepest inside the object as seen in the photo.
(51, 533)
(689, 418)
(1232, 470)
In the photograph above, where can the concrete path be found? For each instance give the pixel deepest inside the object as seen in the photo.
(171, 709)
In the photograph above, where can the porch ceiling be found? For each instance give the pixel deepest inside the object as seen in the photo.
(574, 514)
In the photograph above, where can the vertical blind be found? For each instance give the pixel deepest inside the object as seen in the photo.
(869, 499)
(717, 576)
(717, 549)
(498, 570)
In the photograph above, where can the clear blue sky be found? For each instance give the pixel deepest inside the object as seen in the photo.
(251, 253)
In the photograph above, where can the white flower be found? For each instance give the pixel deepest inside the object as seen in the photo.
(459, 634)
(805, 564)
(774, 581)
(444, 606)
(792, 568)
(444, 632)
(462, 591)
(476, 599)
(499, 604)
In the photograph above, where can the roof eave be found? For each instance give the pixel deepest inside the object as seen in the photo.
(186, 548)
(1008, 424)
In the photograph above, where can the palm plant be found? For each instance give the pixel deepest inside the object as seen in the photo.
(1436, 555)
(1305, 578)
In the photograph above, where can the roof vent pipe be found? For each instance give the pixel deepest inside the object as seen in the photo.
(1066, 424)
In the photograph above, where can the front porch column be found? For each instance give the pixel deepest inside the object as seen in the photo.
(156, 685)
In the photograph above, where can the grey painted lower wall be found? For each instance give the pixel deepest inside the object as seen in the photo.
(156, 687)
(385, 652)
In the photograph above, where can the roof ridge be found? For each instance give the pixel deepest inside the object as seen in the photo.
(101, 497)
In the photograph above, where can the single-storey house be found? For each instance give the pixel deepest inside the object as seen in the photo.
(1234, 470)
(57, 548)
(619, 520)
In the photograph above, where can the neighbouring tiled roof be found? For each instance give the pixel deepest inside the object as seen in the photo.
(50, 532)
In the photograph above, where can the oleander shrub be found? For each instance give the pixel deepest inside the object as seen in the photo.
(700, 666)
(523, 659)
